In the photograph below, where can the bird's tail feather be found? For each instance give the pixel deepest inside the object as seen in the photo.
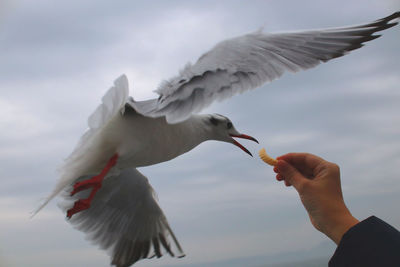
(112, 102)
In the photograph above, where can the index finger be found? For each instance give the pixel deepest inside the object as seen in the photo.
(308, 160)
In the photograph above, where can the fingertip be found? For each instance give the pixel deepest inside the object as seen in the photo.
(279, 177)
(276, 169)
(280, 157)
(285, 157)
(281, 165)
(290, 174)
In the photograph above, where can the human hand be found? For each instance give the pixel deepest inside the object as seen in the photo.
(318, 183)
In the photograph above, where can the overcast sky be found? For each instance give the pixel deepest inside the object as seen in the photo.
(57, 59)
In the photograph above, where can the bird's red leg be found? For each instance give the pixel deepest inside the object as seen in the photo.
(94, 183)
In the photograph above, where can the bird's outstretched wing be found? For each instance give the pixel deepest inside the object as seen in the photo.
(125, 219)
(248, 61)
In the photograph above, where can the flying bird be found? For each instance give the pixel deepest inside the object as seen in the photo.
(110, 200)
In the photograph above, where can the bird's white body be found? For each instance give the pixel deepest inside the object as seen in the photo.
(149, 141)
(125, 217)
(141, 141)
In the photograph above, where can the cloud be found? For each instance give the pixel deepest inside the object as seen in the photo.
(58, 59)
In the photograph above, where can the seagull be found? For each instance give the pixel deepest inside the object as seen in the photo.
(110, 200)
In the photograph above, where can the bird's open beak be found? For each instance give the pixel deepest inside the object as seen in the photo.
(244, 136)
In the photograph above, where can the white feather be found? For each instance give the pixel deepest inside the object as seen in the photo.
(125, 219)
(242, 63)
(86, 153)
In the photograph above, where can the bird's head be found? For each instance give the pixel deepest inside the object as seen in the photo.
(222, 129)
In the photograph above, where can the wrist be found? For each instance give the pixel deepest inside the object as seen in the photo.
(339, 225)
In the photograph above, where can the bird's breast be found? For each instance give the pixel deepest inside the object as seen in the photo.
(143, 141)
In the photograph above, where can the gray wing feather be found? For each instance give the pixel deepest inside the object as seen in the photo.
(239, 64)
(125, 219)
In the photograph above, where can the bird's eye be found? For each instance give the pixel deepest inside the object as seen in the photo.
(229, 125)
(214, 121)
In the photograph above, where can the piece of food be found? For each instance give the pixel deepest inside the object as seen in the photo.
(267, 159)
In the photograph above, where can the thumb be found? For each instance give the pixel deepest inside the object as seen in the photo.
(290, 174)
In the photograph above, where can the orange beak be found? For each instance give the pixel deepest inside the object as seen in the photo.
(243, 136)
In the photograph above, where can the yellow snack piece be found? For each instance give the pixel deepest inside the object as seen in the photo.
(267, 159)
